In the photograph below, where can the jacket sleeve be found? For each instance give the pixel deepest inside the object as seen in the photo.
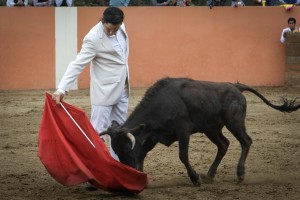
(84, 57)
(282, 39)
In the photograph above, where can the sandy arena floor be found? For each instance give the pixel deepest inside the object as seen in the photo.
(272, 167)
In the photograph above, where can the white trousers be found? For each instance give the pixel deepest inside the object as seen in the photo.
(102, 116)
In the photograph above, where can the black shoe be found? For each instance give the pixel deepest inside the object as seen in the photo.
(88, 186)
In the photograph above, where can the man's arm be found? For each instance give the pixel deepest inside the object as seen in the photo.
(283, 35)
(85, 56)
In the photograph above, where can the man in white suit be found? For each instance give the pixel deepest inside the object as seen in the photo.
(106, 48)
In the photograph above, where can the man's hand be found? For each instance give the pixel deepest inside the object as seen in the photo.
(57, 96)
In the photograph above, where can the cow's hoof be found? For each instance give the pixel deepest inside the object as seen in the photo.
(241, 178)
(197, 183)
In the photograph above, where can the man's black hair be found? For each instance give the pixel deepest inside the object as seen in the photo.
(292, 19)
(113, 15)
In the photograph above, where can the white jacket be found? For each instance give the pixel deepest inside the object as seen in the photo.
(109, 73)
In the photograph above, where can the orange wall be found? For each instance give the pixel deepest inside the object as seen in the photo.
(222, 44)
(27, 57)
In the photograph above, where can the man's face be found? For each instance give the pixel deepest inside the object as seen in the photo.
(111, 29)
(292, 25)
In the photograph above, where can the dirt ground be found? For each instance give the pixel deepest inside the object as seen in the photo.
(272, 167)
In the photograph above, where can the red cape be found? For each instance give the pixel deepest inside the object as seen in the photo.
(71, 159)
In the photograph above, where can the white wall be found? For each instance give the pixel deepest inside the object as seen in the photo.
(65, 40)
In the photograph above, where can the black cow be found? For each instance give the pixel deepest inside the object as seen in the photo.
(174, 108)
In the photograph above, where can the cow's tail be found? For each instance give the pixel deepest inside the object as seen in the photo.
(287, 105)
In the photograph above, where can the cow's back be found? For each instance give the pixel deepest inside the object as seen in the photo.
(203, 104)
(210, 104)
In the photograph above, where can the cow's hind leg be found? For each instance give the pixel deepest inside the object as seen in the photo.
(222, 143)
(239, 132)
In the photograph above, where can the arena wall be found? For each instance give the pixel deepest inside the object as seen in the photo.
(219, 44)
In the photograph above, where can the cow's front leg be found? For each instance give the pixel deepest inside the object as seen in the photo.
(184, 157)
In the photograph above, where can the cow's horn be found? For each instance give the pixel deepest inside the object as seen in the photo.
(132, 139)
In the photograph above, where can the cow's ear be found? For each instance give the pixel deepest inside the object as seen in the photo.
(114, 124)
(104, 133)
(138, 129)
